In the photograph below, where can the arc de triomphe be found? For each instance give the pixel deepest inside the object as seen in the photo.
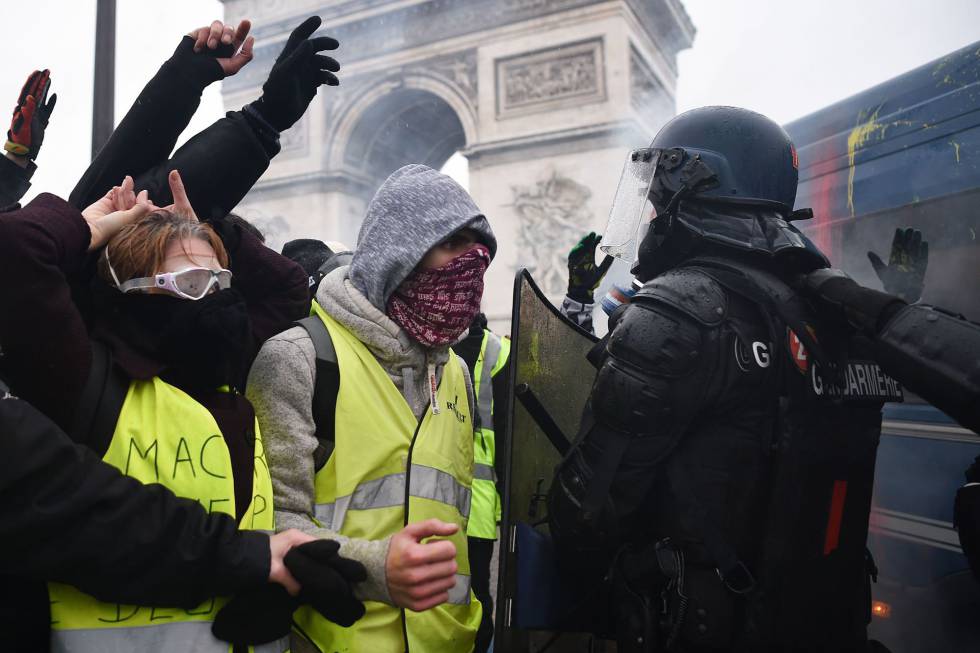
(542, 97)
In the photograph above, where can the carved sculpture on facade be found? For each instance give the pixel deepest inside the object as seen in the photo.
(538, 80)
(649, 97)
(554, 214)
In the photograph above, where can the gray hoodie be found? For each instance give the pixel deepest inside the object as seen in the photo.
(405, 219)
(415, 209)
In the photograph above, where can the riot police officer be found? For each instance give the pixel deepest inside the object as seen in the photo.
(721, 482)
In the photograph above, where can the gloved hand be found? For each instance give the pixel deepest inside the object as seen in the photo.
(836, 295)
(584, 276)
(905, 274)
(31, 116)
(256, 616)
(209, 54)
(326, 580)
(296, 75)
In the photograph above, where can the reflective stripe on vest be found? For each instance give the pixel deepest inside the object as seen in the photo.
(485, 511)
(180, 637)
(164, 436)
(379, 449)
(389, 491)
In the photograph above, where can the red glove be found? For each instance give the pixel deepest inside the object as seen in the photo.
(31, 116)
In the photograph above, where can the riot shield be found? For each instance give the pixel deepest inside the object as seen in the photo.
(551, 380)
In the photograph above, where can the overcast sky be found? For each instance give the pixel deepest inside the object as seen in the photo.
(784, 58)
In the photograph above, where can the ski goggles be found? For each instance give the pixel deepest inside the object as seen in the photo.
(190, 283)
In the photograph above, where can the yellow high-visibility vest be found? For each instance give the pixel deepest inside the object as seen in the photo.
(164, 436)
(485, 509)
(387, 470)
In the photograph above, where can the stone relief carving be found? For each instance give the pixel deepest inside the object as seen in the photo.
(553, 214)
(545, 79)
(459, 69)
(648, 96)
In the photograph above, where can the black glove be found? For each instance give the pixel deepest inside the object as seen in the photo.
(200, 68)
(837, 296)
(326, 579)
(256, 616)
(905, 274)
(584, 276)
(296, 75)
(31, 115)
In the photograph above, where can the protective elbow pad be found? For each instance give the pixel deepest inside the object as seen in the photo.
(934, 354)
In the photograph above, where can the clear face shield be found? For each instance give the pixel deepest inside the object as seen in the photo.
(632, 212)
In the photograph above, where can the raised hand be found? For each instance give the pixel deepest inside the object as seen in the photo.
(421, 575)
(231, 48)
(296, 75)
(584, 276)
(113, 211)
(905, 274)
(31, 116)
(182, 205)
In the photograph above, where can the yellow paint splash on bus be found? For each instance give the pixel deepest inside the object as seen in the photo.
(860, 135)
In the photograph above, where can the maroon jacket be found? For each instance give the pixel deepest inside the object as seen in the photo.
(46, 348)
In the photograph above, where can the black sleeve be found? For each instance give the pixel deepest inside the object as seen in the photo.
(147, 134)
(14, 181)
(934, 353)
(71, 518)
(658, 371)
(219, 166)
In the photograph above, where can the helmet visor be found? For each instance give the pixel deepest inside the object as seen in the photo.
(631, 206)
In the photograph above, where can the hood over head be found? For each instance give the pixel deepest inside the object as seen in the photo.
(415, 209)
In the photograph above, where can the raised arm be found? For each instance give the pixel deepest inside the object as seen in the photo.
(24, 138)
(222, 163)
(46, 347)
(147, 134)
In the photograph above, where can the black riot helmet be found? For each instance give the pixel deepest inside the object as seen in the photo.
(752, 158)
(714, 177)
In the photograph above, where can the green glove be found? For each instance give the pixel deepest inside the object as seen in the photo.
(584, 276)
(905, 274)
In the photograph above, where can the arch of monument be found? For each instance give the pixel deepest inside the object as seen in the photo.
(543, 98)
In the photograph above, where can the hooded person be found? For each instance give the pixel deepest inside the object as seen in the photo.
(400, 430)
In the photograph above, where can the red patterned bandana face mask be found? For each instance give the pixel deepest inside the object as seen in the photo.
(435, 306)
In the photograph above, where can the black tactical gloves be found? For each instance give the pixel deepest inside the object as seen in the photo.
(966, 516)
(905, 274)
(327, 580)
(31, 116)
(833, 292)
(296, 75)
(265, 615)
(584, 276)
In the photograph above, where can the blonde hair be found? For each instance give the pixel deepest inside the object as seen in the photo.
(140, 248)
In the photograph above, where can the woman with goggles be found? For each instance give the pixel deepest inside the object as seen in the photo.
(151, 379)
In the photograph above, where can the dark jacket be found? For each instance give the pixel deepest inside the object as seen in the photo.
(219, 165)
(14, 181)
(72, 518)
(46, 345)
